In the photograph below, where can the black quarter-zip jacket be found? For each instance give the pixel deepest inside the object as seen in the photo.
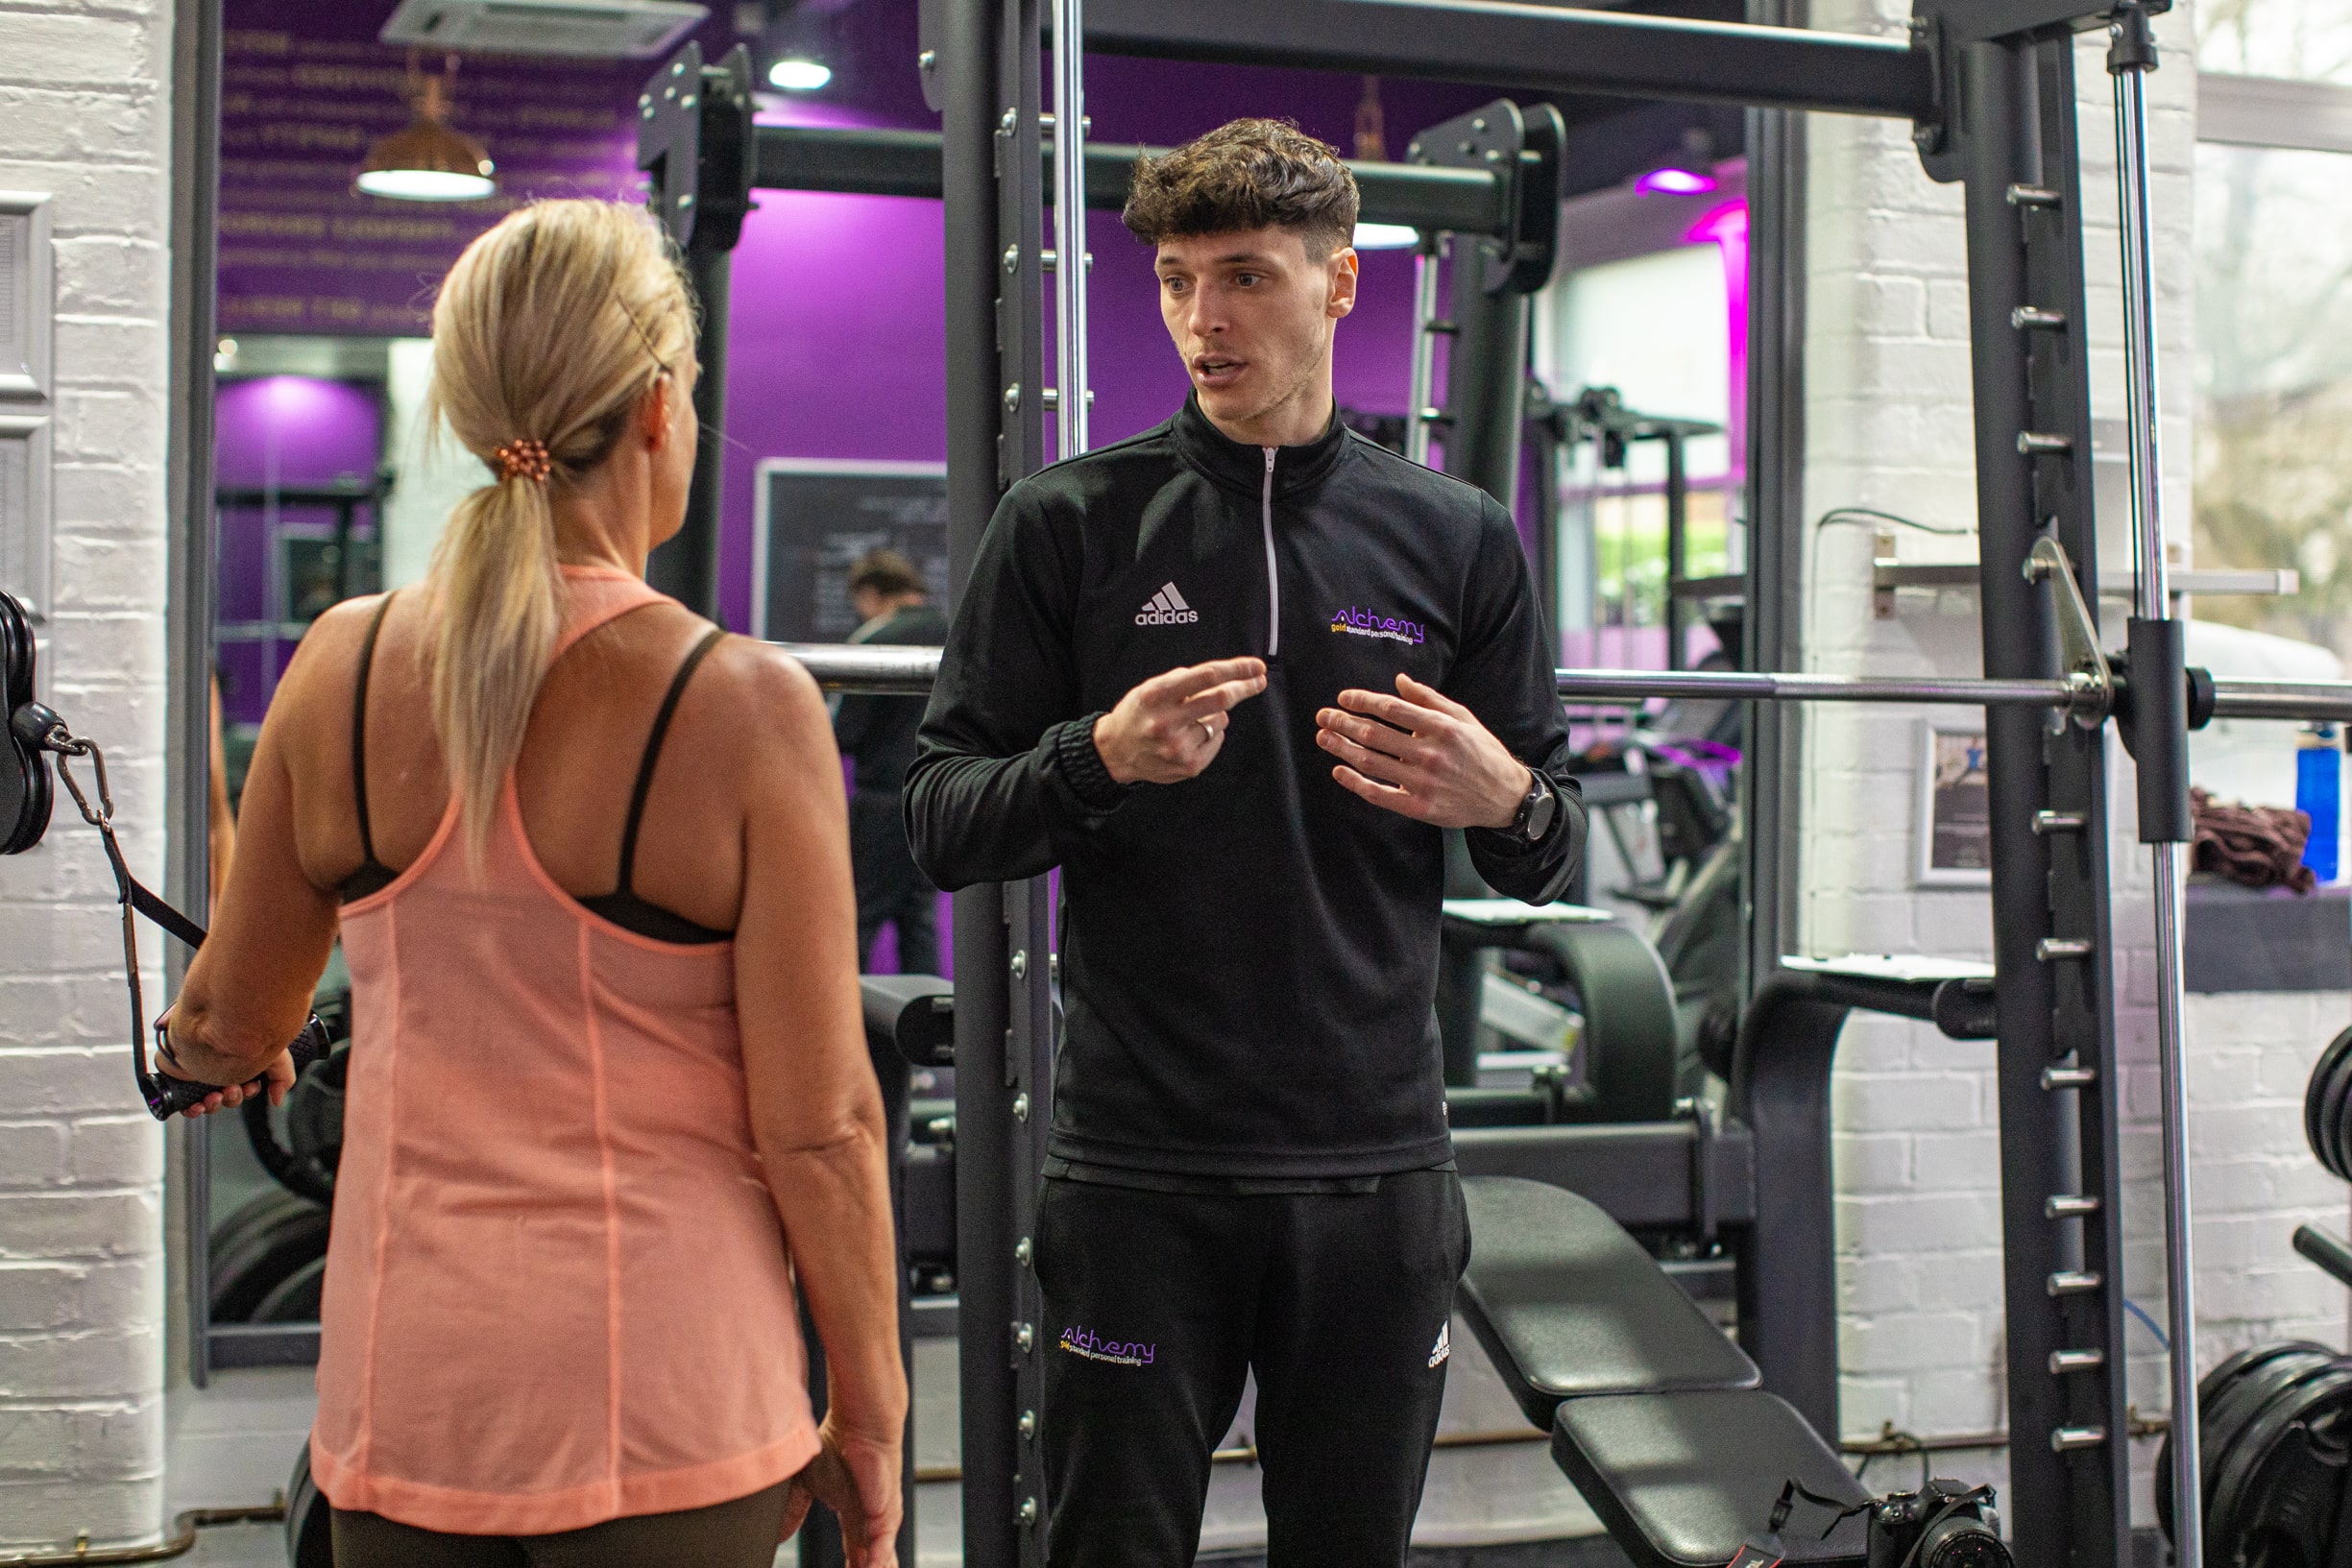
(1248, 958)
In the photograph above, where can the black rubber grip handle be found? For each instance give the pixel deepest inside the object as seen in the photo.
(2160, 729)
(170, 1096)
(2325, 1250)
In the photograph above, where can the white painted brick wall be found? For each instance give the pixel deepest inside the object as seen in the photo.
(1890, 426)
(84, 115)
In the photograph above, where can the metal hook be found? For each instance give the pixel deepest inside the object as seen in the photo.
(69, 747)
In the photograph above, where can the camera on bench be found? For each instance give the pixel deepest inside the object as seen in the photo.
(1944, 1525)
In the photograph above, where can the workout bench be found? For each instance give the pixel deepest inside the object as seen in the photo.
(1658, 1419)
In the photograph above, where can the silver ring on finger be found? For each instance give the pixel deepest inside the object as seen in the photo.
(1208, 729)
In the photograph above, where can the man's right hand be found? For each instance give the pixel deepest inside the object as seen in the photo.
(1172, 726)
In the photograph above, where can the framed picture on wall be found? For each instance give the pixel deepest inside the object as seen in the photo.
(1954, 840)
(816, 518)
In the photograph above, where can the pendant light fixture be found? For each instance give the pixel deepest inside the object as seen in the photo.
(428, 161)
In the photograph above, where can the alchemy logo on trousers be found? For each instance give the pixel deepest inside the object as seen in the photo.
(1167, 608)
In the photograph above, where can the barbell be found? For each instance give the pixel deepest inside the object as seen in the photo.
(909, 671)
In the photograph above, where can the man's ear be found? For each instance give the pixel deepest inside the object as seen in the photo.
(1343, 297)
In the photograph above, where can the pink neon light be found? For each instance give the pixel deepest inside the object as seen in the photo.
(1726, 228)
(1673, 182)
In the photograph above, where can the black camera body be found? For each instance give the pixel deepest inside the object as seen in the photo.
(1943, 1525)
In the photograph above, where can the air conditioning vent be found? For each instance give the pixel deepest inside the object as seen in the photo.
(589, 29)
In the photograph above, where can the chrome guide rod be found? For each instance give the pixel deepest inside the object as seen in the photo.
(1421, 391)
(1069, 229)
(2130, 63)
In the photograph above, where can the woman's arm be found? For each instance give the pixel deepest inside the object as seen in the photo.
(221, 837)
(248, 993)
(815, 1109)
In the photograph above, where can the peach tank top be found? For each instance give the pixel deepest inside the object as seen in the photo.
(556, 1288)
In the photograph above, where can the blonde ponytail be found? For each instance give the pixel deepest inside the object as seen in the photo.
(547, 334)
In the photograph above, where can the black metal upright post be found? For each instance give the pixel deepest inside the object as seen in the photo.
(701, 154)
(2069, 1499)
(1771, 618)
(967, 71)
(988, 69)
(1677, 535)
(1486, 378)
(687, 567)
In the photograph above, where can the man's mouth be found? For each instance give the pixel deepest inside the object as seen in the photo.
(1217, 370)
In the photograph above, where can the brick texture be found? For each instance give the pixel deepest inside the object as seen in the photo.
(1890, 426)
(85, 116)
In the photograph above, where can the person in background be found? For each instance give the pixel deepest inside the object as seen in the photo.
(876, 734)
(609, 1106)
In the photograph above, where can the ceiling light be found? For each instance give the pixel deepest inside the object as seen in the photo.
(428, 161)
(800, 75)
(1671, 182)
(1687, 171)
(1386, 236)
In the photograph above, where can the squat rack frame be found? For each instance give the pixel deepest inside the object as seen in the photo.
(1989, 88)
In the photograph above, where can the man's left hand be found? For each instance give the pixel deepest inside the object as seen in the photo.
(1423, 755)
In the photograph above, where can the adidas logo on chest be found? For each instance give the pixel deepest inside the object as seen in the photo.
(1167, 608)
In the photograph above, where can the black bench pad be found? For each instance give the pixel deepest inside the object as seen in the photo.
(1680, 1480)
(1569, 1306)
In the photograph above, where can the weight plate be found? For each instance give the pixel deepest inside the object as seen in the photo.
(2314, 1091)
(311, 1541)
(2216, 1404)
(294, 1300)
(2332, 1118)
(25, 793)
(235, 1231)
(2258, 1446)
(314, 1114)
(2289, 1507)
(269, 1251)
(2239, 1409)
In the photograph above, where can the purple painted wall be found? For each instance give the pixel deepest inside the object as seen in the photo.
(277, 431)
(836, 345)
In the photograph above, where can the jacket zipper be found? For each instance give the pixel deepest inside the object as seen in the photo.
(1273, 582)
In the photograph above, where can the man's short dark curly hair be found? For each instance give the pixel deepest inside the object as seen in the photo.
(1248, 174)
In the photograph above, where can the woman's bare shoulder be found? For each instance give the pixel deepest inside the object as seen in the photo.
(755, 694)
(325, 670)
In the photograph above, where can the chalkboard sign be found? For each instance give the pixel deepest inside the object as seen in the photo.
(817, 518)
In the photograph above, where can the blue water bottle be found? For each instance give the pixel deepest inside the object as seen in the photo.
(2319, 794)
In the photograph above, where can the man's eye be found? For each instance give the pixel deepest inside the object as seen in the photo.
(1246, 280)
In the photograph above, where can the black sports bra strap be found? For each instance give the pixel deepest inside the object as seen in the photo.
(359, 734)
(653, 755)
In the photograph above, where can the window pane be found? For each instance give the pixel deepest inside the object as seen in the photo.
(2307, 40)
(2273, 473)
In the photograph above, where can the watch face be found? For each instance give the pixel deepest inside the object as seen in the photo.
(1540, 816)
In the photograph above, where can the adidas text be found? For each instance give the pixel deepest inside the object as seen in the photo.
(1167, 608)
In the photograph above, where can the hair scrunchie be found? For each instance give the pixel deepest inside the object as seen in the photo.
(523, 460)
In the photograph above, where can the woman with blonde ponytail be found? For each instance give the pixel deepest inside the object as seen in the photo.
(609, 1101)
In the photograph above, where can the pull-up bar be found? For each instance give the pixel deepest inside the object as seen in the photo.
(1546, 48)
(906, 163)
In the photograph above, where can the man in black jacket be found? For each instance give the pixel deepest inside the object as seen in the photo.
(1234, 677)
(877, 734)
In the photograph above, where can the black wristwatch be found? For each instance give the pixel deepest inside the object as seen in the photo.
(1537, 811)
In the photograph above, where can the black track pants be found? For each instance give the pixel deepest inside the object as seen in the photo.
(1159, 1304)
(741, 1532)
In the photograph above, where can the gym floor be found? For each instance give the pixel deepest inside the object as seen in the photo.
(263, 1546)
